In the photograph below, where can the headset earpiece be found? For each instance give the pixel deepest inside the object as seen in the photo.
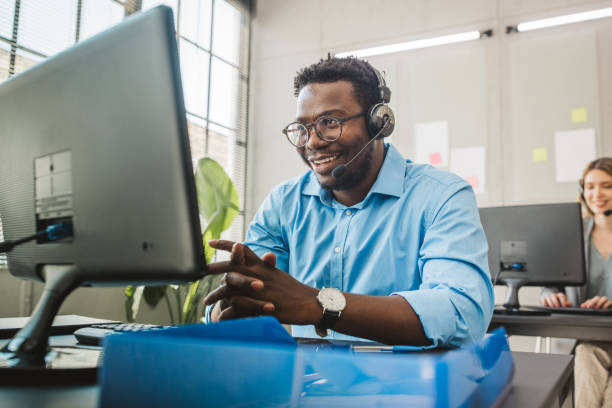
(581, 191)
(380, 113)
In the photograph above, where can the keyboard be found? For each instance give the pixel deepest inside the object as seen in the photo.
(94, 334)
(522, 311)
(578, 310)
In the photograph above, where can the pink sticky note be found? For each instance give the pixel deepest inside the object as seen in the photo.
(473, 180)
(435, 158)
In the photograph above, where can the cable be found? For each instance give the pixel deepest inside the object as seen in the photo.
(52, 232)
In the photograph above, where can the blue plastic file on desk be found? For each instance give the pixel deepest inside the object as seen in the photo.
(255, 363)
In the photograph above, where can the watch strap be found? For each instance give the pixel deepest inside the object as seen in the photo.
(328, 321)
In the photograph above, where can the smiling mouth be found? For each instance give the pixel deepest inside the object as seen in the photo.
(323, 161)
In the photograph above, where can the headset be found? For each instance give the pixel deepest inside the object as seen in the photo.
(380, 118)
(380, 122)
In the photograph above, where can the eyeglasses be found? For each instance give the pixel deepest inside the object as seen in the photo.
(328, 128)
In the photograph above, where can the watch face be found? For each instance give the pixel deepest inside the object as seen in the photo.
(332, 299)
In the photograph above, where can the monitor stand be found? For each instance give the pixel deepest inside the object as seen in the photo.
(27, 357)
(511, 305)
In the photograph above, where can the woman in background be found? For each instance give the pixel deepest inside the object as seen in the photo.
(593, 360)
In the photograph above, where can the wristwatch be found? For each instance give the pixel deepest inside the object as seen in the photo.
(333, 303)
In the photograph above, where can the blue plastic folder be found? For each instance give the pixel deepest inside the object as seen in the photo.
(256, 363)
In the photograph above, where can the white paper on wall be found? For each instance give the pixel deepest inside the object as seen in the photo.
(469, 163)
(573, 150)
(431, 139)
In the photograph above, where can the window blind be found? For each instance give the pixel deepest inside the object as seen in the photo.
(32, 30)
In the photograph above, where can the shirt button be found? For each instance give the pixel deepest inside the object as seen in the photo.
(348, 212)
(337, 250)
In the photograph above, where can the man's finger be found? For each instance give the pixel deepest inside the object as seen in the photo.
(220, 293)
(216, 268)
(249, 306)
(232, 284)
(243, 255)
(269, 258)
(229, 266)
(238, 255)
(245, 307)
(238, 280)
(228, 314)
(221, 244)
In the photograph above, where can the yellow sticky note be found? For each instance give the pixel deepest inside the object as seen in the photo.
(539, 154)
(579, 115)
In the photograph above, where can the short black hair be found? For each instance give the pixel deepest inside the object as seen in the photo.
(358, 72)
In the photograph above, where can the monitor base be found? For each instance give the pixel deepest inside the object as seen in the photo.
(27, 355)
(521, 311)
(62, 366)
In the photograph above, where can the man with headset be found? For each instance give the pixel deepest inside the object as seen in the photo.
(366, 244)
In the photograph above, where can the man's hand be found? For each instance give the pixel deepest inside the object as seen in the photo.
(597, 302)
(253, 286)
(557, 300)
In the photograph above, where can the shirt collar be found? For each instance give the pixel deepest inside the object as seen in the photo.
(390, 180)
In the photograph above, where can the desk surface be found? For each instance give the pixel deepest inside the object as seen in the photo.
(540, 380)
(582, 327)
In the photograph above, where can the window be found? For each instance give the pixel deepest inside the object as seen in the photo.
(213, 40)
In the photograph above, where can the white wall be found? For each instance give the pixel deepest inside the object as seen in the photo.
(290, 34)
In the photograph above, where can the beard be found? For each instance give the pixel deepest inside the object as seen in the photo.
(355, 173)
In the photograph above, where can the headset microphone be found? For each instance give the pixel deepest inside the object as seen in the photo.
(341, 169)
(607, 213)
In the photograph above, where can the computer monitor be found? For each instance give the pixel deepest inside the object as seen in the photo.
(97, 137)
(535, 245)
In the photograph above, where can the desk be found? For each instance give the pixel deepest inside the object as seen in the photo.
(540, 380)
(582, 327)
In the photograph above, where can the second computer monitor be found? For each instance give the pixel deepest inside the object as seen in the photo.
(536, 245)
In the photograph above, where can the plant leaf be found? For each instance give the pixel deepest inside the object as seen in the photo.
(218, 199)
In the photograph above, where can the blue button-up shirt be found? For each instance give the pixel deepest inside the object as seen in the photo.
(417, 234)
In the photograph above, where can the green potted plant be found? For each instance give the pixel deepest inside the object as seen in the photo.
(218, 204)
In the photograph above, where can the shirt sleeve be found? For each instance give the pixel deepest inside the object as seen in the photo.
(265, 233)
(455, 299)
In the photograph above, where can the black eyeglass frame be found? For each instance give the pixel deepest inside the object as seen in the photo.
(308, 126)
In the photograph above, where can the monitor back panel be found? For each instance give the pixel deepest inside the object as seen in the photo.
(546, 238)
(97, 135)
